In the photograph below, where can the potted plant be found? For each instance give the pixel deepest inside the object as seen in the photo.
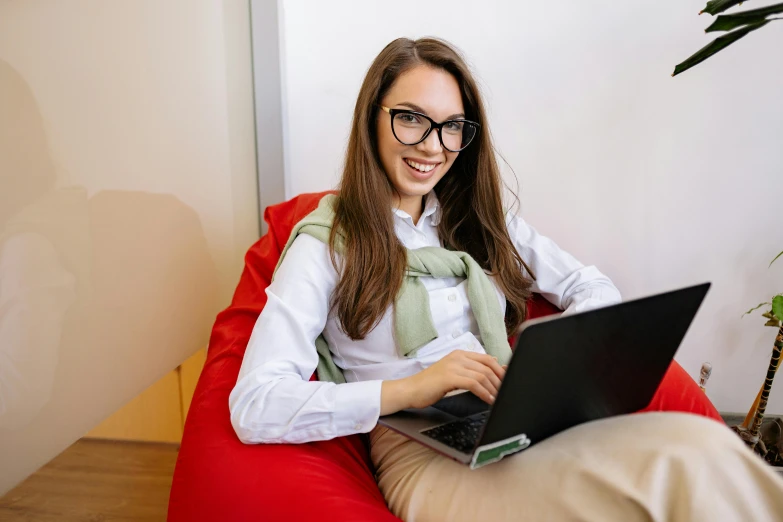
(766, 438)
(766, 442)
(736, 26)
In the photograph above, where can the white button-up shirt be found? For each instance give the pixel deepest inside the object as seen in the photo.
(274, 401)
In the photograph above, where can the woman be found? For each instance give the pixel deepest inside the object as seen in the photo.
(421, 185)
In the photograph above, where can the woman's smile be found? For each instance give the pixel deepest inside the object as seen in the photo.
(421, 169)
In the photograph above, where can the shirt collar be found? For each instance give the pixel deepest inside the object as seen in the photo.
(431, 208)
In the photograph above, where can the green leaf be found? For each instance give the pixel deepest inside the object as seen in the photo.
(773, 322)
(754, 16)
(716, 45)
(718, 6)
(776, 258)
(777, 307)
(754, 309)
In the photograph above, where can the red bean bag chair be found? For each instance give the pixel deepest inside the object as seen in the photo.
(217, 478)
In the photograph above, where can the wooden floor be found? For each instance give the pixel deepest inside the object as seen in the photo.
(96, 481)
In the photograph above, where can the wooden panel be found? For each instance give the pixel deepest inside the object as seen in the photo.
(189, 372)
(96, 480)
(154, 415)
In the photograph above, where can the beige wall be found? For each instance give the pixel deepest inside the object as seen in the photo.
(127, 198)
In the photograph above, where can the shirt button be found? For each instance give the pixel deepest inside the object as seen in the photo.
(456, 333)
(452, 298)
(357, 427)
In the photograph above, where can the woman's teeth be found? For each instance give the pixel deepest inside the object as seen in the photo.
(419, 166)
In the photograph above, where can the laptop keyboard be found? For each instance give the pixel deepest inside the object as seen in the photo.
(462, 434)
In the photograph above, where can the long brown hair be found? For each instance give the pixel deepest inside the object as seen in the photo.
(470, 195)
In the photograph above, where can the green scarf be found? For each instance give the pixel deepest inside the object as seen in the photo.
(413, 325)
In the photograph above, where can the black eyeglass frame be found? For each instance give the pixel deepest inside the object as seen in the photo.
(433, 125)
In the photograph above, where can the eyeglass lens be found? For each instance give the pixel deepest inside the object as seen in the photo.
(410, 129)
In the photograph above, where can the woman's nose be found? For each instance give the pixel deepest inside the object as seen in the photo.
(431, 144)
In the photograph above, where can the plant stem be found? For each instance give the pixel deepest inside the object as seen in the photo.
(752, 411)
(774, 362)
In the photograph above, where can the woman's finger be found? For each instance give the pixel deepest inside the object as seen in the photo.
(482, 368)
(472, 385)
(489, 361)
(483, 380)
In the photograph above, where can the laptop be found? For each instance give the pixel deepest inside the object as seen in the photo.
(565, 371)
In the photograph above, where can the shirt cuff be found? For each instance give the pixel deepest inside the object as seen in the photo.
(361, 402)
(591, 303)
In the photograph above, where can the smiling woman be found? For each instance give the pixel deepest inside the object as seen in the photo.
(412, 156)
(419, 84)
(405, 287)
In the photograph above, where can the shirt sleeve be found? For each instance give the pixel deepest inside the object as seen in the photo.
(273, 400)
(560, 278)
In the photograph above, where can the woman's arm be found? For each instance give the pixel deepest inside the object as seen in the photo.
(560, 278)
(273, 400)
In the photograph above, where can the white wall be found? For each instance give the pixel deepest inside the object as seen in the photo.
(139, 118)
(661, 182)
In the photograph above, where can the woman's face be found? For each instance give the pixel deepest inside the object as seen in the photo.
(415, 169)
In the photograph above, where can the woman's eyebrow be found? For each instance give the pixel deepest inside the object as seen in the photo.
(416, 108)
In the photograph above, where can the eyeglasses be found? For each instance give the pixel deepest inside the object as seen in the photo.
(411, 128)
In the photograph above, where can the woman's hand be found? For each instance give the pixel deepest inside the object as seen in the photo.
(460, 370)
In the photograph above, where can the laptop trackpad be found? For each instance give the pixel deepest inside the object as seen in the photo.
(461, 405)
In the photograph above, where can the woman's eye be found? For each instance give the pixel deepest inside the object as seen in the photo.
(453, 126)
(408, 118)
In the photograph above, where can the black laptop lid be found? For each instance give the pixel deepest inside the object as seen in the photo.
(588, 366)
